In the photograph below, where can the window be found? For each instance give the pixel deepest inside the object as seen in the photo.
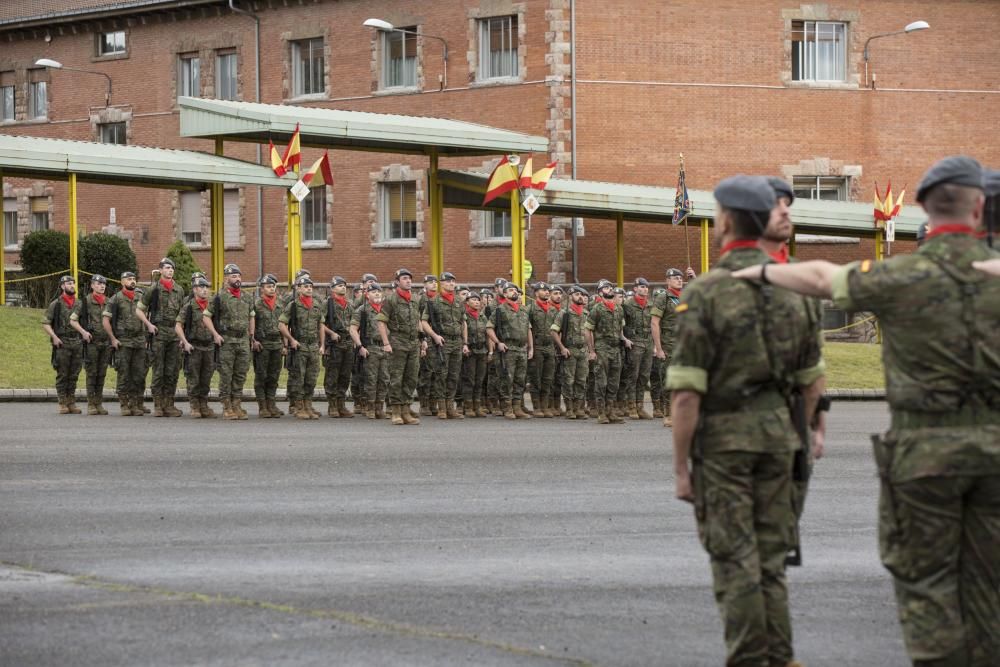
(38, 97)
(497, 48)
(313, 210)
(10, 223)
(191, 218)
(496, 225)
(111, 43)
(399, 59)
(819, 51)
(39, 213)
(113, 133)
(399, 211)
(307, 67)
(225, 76)
(189, 77)
(829, 188)
(231, 217)
(7, 88)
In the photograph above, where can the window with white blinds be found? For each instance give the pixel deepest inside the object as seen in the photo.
(231, 217)
(191, 218)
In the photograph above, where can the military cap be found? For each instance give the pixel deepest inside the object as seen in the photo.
(359, 287)
(474, 295)
(486, 292)
(991, 182)
(577, 289)
(268, 279)
(302, 272)
(403, 272)
(659, 290)
(127, 274)
(781, 188)
(675, 273)
(745, 193)
(602, 283)
(448, 275)
(620, 290)
(66, 279)
(430, 277)
(337, 280)
(368, 276)
(556, 288)
(231, 269)
(166, 261)
(956, 170)
(542, 285)
(197, 274)
(510, 285)
(98, 278)
(374, 287)
(499, 282)
(199, 282)
(641, 281)
(303, 280)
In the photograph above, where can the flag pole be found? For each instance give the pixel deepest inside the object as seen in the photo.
(687, 234)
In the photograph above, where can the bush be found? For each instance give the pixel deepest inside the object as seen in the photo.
(106, 254)
(43, 252)
(184, 264)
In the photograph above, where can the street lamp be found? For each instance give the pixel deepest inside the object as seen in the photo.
(55, 64)
(385, 26)
(912, 27)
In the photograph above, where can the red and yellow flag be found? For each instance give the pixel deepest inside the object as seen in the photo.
(319, 174)
(503, 179)
(293, 154)
(540, 178)
(276, 162)
(887, 208)
(525, 180)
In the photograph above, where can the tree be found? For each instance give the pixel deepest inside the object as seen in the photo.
(184, 264)
(106, 254)
(43, 252)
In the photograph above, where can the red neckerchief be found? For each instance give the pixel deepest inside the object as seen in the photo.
(99, 299)
(780, 255)
(609, 304)
(950, 229)
(69, 299)
(430, 294)
(514, 305)
(235, 291)
(341, 300)
(406, 295)
(269, 301)
(739, 243)
(473, 312)
(377, 307)
(203, 303)
(675, 292)
(129, 294)
(501, 300)
(544, 305)
(641, 300)
(167, 284)
(576, 308)
(557, 306)
(449, 297)
(306, 301)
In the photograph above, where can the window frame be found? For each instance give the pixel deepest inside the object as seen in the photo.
(11, 241)
(101, 53)
(817, 187)
(484, 56)
(10, 88)
(184, 232)
(35, 226)
(120, 127)
(228, 230)
(386, 233)
(235, 73)
(185, 77)
(809, 50)
(308, 224)
(298, 78)
(33, 96)
(489, 222)
(407, 35)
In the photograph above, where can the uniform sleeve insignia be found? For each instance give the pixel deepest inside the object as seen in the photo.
(681, 308)
(866, 266)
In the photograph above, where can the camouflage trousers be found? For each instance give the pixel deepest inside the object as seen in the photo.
(68, 361)
(305, 361)
(607, 375)
(166, 365)
(542, 371)
(234, 360)
(339, 364)
(96, 365)
(665, 396)
(656, 379)
(404, 367)
(512, 385)
(267, 371)
(198, 370)
(447, 368)
(940, 539)
(426, 375)
(745, 519)
(473, 376)
(636, 372)
(575, 370)
(375, 377)
(131, 369)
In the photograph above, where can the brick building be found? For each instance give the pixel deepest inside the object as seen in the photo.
(762, 87)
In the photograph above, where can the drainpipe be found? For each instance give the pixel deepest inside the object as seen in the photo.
(572, 133)
(260, 189)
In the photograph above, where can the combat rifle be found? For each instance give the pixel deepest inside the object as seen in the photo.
(188, 330)
(333, 325)
(257, 338)
(220, 329)
(113, 360)
(359, 361)
(56, 325)
(293, 326)
(498, 330)
(153, 315)
(432, 317)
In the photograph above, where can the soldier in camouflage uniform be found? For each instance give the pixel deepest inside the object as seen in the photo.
(510, 333)
(235, 314)
(740, 352)
(157, 310)
(399, 327)
(372, 360)
(67, 345)
(357, 381)
(267, 348)
(425, 383)
(637, 329)
(664, 330)
(474, 366)
(556, 296)
(567, 331)
(939, 463)
(87, 320)
(443, 322)
(542, 367)
(125, 331)
(300, 324)
(338, 349)
(293, 383)
(604, 334)
(657, 368)
(198, 348)
(494, 372)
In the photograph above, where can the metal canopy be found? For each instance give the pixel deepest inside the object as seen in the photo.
(645, 203)
(351, 130)
(56, 159)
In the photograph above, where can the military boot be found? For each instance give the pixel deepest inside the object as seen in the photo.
(204, 409)
(552, 407)
(519, 410)
(633, 412)
(536, 403)
(63, 405)
(640, 409)
(380, 410)
(141, 400)
(195, 405)
(657, 408)
(238, 409)
(169, 409)
(71, 404)
(262, 411)
(227, 410)
(602, 415)
(293, 406)
(425, 407)
(272, 405)
(410, 411)
(91, 406)
(342, 410)
(370, 412)
(508, 411)
(453, 411)
(579, 410)
(123, 402)
(480, 409)
(500, 407)
(300, 412)
(408, 417)
(570, 413)
(158, 406)
(138, 410)
(615, 412)
(331, 408)
(397, 415)
(441, 406)
(99, 404)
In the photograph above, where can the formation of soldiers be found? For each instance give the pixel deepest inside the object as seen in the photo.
(459, 352)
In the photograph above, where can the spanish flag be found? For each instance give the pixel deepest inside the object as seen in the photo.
(525, 180)
(541, 177)
(319, 174)
(293, 154)
(503, 179)
(276, 163)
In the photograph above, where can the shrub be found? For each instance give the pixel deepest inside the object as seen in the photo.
(43, 252)
(106, 254)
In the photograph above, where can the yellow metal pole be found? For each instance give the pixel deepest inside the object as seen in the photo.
(620, 249)
(516, 240)
(3, 264)
(705, 245)
(434, 190)
(294, 234)
(879, 246)
(217, 232)
(74, 241)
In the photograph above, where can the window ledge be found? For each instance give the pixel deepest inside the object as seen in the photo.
(396, 90)
(312, 97)
(110, 56)
(316, 245)
(498, 81)
(406, 243)
(235, 247)
(11, 248)
(492, 243)
(819, 239)
(828, 85)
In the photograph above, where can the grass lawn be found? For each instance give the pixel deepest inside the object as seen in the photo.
(25, 362)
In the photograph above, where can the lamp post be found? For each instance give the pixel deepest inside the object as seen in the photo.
(54, 64)
(385, 26)
(912, 27)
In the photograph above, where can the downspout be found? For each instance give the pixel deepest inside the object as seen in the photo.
(260, 189)
(572, 132)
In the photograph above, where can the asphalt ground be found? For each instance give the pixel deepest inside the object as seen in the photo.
(129, 541)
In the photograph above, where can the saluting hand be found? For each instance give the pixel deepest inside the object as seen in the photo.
(990, 266)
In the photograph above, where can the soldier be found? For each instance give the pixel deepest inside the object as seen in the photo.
(234, 313)
(399, 326)
(510, 333)
(657, 367)
(87, 321)
(463, 293)
(268, 348)
(338, 349)
(939, 528)
(425, 383)
(740, 353)
(160, 304)
(67, 349)
(300, 324)
(125, 331)
(624, 354)
(604, 333)
(373, 362)
(664, 330)
(443, 322)
(474, 365)
(542, 367)
(638, 316)
(357, 381)
(556, 295)
(494, 371)
(567, 331)
(293, 383)
(198, 347)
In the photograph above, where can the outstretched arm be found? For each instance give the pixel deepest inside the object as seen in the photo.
(990, 266)
(810, 278)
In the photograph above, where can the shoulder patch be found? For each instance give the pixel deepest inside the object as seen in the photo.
(681, 308)
(866, 266)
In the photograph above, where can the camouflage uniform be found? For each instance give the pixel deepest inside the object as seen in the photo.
(640, 357)
(605, 321)
(744, 447)
(199, 365)
(233, 314)
(303, 323)
(161, 305)
(339, 357)
(69, 357)
(664, 307)
(570, 325)
(401, 318)
(98, 351)
(511, 324)
(131, 365)
(428, 366)
(374, 375)
(657, 368)
(474, 366)
(445, 362)
(542, 366)
(267, 362)
(939, 463)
